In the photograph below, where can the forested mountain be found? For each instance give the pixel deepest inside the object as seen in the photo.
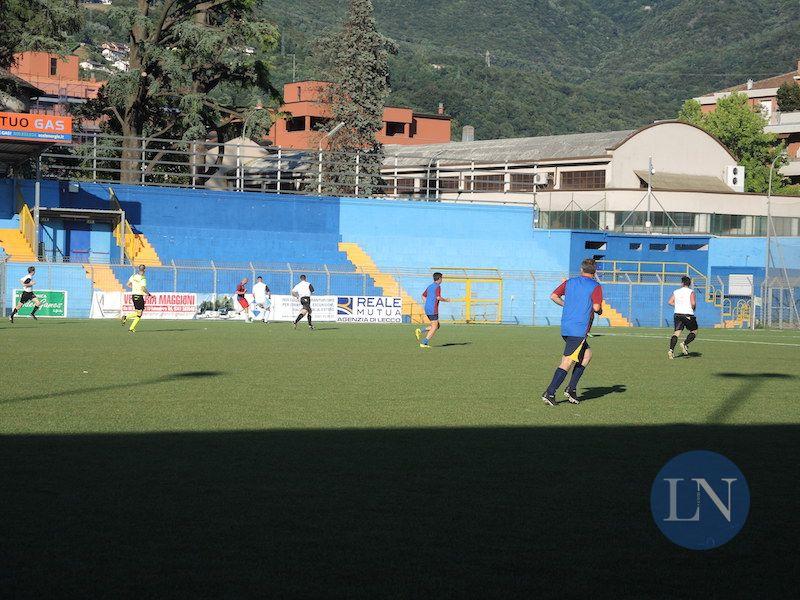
(558, 66)
(554, 66)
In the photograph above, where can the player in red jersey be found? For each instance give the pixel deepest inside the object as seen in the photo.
(241, 298)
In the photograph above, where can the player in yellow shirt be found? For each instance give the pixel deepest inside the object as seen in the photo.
(138, 286)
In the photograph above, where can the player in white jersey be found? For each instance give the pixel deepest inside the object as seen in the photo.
(262, 297)
(302, 291)
(27, 295)
(685, 302)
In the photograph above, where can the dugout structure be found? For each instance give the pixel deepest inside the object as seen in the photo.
(476, 295)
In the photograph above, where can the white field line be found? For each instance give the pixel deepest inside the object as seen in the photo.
(701, 339)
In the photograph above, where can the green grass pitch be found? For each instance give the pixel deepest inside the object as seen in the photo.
(212, 459)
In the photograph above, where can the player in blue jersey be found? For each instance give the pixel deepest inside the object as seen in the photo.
(432, 296)
(582, 298)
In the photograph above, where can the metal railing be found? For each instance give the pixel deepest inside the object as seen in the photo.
(647, 272)
(243, 165)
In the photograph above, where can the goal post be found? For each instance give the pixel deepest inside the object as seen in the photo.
(475, 294)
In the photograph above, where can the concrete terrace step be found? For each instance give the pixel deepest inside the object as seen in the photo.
(16, 246)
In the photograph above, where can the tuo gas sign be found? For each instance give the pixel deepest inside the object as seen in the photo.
(35, 128)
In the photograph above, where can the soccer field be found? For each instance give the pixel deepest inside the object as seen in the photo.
(237, 460)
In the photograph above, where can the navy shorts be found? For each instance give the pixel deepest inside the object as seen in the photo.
(433, 317)
(571, 344)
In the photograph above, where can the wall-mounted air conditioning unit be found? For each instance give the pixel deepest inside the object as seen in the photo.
(734, 177)
(540, 178)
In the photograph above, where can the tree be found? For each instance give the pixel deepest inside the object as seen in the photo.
(43, 25)
(356, 61)
(195, 66)
(789, 97)
(740, 127)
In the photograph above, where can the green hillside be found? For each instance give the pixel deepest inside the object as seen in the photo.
(558, 65)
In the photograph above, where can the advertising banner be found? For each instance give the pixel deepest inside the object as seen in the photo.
(54, 303)
(166, 305)
(286, 308)
(35, 128)
(369, 309)
(331, 309)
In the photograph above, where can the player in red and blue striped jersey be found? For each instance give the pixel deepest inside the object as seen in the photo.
(432, 296)
(582, 298)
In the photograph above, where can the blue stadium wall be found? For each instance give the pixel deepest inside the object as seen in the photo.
(228, 227)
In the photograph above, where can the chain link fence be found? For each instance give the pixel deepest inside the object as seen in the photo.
(3, 279)
(516, 297)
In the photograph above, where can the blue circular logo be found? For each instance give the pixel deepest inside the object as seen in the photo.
(700, 500)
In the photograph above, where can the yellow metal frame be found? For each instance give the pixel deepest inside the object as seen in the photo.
(630, 271)
(123, 233)
(27, 226)
(482, 275)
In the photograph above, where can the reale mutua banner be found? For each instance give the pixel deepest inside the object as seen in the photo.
(369, 309)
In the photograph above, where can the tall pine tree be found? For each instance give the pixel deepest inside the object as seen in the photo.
(356, 61)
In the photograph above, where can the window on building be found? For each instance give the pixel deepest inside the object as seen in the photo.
(53, 66)
(318, 123)
(594, 245)
(296, 124)
(730, 225)
(636, 247)
(659, 247)
(787, 226)
(449, 184)
(583, 180)
(523, 182)
(393, 128)
(405, 186)
(661, 223)
(571, 219)
(488, 183)
(700, 247)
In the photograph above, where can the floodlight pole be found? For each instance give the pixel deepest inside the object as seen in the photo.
(648, 224)
(769, 230)
(331, 133)
(37, 199)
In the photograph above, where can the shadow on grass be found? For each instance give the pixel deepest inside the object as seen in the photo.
(751, 384)
(449, 344)
(592, 393)
(115, 386)
(411, 513)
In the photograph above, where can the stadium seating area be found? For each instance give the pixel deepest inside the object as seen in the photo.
(361, 242)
